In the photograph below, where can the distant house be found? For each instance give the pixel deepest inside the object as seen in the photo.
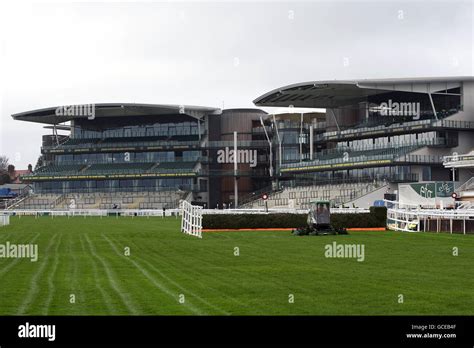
(15, 175)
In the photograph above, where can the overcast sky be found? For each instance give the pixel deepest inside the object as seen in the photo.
(211, 53)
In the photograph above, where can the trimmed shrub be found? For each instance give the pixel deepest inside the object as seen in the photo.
(376, 218)
(380, 213)
(253, 221)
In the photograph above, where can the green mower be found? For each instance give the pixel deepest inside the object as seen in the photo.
(319, 221)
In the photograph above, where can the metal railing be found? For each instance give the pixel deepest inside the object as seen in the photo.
(240, 143)
(125, 144)
(420, 159)
(469, 184)
(426, 124)
(256, 195)
(457, 161)
(390, 146)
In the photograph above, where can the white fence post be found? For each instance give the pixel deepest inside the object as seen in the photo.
(4, 220)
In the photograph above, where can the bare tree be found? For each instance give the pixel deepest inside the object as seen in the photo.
(39, 163)
(4, 176)
(4, 161)
(11, 169)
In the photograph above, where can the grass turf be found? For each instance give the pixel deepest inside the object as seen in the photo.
(85, 257)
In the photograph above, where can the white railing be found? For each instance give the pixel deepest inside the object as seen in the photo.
(281, 211)
(168, 212)
(94, 212)
(4, 220)
(408, 217)
(191, 219)
(459, 161)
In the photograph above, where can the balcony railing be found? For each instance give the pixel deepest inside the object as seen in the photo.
(240, 143)
(459, 161)
(430, 124)
(361, 130)
(420, 159)
(124, 145)
(377, 160)
(136, 189)
(417, 143)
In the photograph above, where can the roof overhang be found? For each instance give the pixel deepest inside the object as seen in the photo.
(59, 127)
(334, 94)
(65, 113)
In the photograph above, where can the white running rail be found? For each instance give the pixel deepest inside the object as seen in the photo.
(407, 217)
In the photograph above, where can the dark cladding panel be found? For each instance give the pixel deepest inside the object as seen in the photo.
(241, 121)
(214, 184)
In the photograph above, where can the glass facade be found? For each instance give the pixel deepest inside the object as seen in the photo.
(168, 129)
(168, 146)
(388, 173)
(135, 185)
(372, 140)
(115, 132)
(127, 157)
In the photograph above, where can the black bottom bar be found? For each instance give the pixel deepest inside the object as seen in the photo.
(394, 330)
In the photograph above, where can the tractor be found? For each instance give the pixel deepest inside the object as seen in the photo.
(318, 221)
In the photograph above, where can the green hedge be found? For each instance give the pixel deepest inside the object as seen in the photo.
(376, 218)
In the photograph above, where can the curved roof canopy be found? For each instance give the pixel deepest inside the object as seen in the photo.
(333, 94)
(60, 114)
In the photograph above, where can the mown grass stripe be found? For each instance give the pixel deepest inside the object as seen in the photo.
(113, 282)
(153, 280)
(110, 308)
(189, 272)
(34, 279)
(51, 276)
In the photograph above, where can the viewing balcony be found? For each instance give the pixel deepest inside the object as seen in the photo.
(459, 161)
(365, 158)
(113, 170)
(123, 144)
(395, 129)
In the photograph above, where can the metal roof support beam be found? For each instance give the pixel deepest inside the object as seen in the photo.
(279, 140)
(55, 133)
(301, 139)
(269, 145)
(199, 128)
(335, 120)
(433, 106)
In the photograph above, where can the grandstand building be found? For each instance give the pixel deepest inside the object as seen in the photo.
(143, 156)
(375, 137)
